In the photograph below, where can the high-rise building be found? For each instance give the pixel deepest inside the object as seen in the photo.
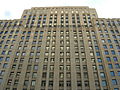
(60, 48)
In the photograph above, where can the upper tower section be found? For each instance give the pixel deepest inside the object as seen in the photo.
(59, 16)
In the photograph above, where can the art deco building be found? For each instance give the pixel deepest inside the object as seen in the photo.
(60, 48)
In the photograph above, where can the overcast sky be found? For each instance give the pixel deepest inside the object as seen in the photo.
(12, 9)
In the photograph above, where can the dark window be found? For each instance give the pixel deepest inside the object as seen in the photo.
(98, 53)
(99, 60)
(102, 74)
(115, 59)
(110, 66)
(113, 52)
(1, 58)
(104, 83)
(117, 66)
(112, 73)
(106, 52)
(114, 81)
(108, 59)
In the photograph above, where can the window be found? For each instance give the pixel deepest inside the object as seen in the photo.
(37, 53)
(96, 47)
(100, 67)
(68, 83)
(51, 67)
(51, 75)
(11, 74)
(111, 46)
(68, 75)
(1, 80)
(84, 67)
(112, 52)
(68, 67)
(34, 74)
(37, 60)
(6, 46)
(29, 67)
(61, 53)
(113, 36)
(104, 83)
(26, 82)
(44, 74)
(117, 46)
(115, 41)
(95, 68)
(61, 60)
(9, 52)
(115, 59)
(1, 58)
(118, 52)
(11, 46)
(61, 48)
(108, 59)
(117, 66)
(23, 53)
(7, 59)
(17, 53)
(40, 37)
(114, 82)
(109, 41)
(110, 66)
(41, 32)
(27, 74)
(61, 75)
(106, 52)
(86, 83)
(16, 82)
(61, 67)
(33, 83)
(85, 74)
(102, 74)
(103, 41)
(116, 88)
(95, 42)
(46, 53)
(43, 84)
(5, 65)
(50, 83)
(104, 46)
(77, 67)
(97, 53)
(61, 83)
(112, 73)
(93, 60)
(20, 66)
(9, 82)
(44, 67)
(3, 52)
(2, 72)
(76, 53)
(79, 84)
(118, 73)
(18, 74)
(99, 60)
(46, 60)
(97, 83)
(52, 53)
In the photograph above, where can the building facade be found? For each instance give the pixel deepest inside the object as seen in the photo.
(60, 48)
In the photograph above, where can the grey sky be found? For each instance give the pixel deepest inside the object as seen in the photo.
(12, 9)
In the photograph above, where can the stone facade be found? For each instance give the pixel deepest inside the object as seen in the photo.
(60, 48)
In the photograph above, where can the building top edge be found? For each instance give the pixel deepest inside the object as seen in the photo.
(61, 7)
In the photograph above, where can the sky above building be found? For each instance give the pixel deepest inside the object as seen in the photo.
(12, 9)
